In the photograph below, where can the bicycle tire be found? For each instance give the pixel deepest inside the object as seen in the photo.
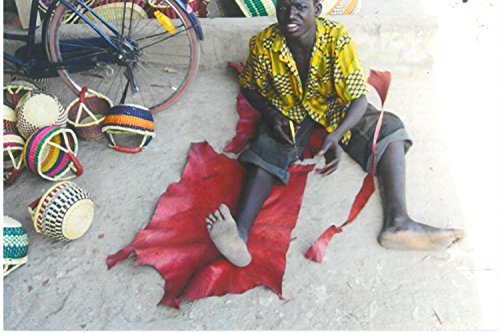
(83, 55)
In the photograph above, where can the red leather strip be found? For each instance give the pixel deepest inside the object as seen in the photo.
(380, 81)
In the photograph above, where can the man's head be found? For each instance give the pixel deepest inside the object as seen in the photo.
(296, 18)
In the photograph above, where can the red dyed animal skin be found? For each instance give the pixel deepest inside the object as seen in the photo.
(177, 244)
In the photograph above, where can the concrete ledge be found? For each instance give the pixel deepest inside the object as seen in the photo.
(381, 42)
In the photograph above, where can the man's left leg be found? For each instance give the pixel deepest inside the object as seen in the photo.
(399, 230)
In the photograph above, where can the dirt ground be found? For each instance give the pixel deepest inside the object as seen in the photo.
(445, 82)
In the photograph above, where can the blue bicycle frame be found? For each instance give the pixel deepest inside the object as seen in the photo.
(30, 37)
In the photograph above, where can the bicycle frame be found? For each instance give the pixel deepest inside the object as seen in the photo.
(30, 37)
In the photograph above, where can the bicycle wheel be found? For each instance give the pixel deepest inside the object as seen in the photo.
(152, 66)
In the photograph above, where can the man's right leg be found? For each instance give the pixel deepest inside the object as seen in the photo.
(230, 236)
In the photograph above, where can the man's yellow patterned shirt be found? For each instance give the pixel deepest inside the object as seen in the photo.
(335, 74)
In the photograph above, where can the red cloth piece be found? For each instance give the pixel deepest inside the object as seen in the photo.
(177, 243)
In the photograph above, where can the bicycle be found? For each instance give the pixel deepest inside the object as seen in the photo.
(128, 50)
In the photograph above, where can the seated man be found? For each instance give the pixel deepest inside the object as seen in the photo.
(303, 72)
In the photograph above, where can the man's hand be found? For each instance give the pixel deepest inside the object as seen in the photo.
(280, 125)
(332, 152)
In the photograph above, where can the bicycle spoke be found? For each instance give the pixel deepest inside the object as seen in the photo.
(163, 64)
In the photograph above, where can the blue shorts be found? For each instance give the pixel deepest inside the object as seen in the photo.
(275, 157)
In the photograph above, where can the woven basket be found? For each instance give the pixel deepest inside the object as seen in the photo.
(128, 120)
(113, 10)
(257, 7)
(12, 156)
(341, 7)
(87, 112)
(15, 245)
(51, 153)
(267, 7)
(36, 110)
(69, 16)
(15, 90)
(9, 119)
(64, 212)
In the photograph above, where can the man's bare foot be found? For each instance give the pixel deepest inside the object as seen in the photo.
(224, 233)
(417, 236)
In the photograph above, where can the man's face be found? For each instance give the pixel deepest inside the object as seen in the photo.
(296, 18)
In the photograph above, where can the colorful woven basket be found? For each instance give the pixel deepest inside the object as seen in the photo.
(15, 90)
(38, 109)
(64, 212)
(128, 120)
(257, 7)
(341, 7)
(87, 112)
(13, 145)
(51, 153)
(199, 7)
(9, 119)
(15, 245)
(267, 7)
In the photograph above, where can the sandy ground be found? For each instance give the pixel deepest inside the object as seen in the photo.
(445, 83)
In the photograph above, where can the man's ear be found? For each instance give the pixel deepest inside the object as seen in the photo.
(318, 7)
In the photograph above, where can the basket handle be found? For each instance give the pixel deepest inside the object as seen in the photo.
(12, 176)
(128, 150)
(78, 165)
(31, 207)
(82, 94)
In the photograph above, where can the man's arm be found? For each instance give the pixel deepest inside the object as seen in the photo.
(276, 119)
(331, 148)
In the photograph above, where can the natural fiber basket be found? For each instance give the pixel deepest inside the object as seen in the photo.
(38, 109)
(9, 119)
(13, 145)
(15, 90)
(128, 119)
(114, 10)
(15, 245)
(87, 112)
(64, 212)
(51, 153)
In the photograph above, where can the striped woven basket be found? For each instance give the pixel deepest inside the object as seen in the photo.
(15, 245)
(64, 212)
(51, 153)
(129, 120)
(13, 145)
(257, 7)
(9, 119)
(87, 112)
(69, 16)
(38, 109)
(267, 7)
(15, 90)
(341, 7)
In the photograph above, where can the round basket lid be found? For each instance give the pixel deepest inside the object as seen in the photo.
(78, 219)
